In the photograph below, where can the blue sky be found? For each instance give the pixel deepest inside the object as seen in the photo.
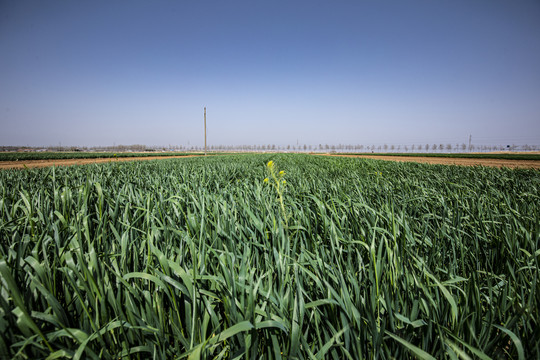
(269, 72)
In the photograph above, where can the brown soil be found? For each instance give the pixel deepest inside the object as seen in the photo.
(530, 164)
(67, 162)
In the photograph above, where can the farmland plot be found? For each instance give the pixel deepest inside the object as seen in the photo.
(203, 258)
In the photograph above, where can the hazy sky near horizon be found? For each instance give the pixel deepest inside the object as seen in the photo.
(100, 72)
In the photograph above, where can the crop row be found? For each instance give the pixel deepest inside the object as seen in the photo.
(502, 156)
(22, 156)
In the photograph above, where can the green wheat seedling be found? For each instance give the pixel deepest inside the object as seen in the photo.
(276, 179)
(177, 259)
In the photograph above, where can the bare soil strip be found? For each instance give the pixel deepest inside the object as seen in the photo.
(68, 162)
(527, 164)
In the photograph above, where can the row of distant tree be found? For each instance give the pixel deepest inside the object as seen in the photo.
(378, 148)
(291, 148)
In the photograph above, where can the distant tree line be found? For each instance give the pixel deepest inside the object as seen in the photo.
(359, 148)
(374, 148)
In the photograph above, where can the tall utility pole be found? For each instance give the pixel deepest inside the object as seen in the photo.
(205, 131)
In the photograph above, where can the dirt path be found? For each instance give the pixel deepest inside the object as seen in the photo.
(530, 164)
(67, 162)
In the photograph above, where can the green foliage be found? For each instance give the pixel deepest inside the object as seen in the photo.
(502, 156)
(188, 258)
(21, 156)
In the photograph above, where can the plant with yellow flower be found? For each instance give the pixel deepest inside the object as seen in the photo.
(276, 180)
